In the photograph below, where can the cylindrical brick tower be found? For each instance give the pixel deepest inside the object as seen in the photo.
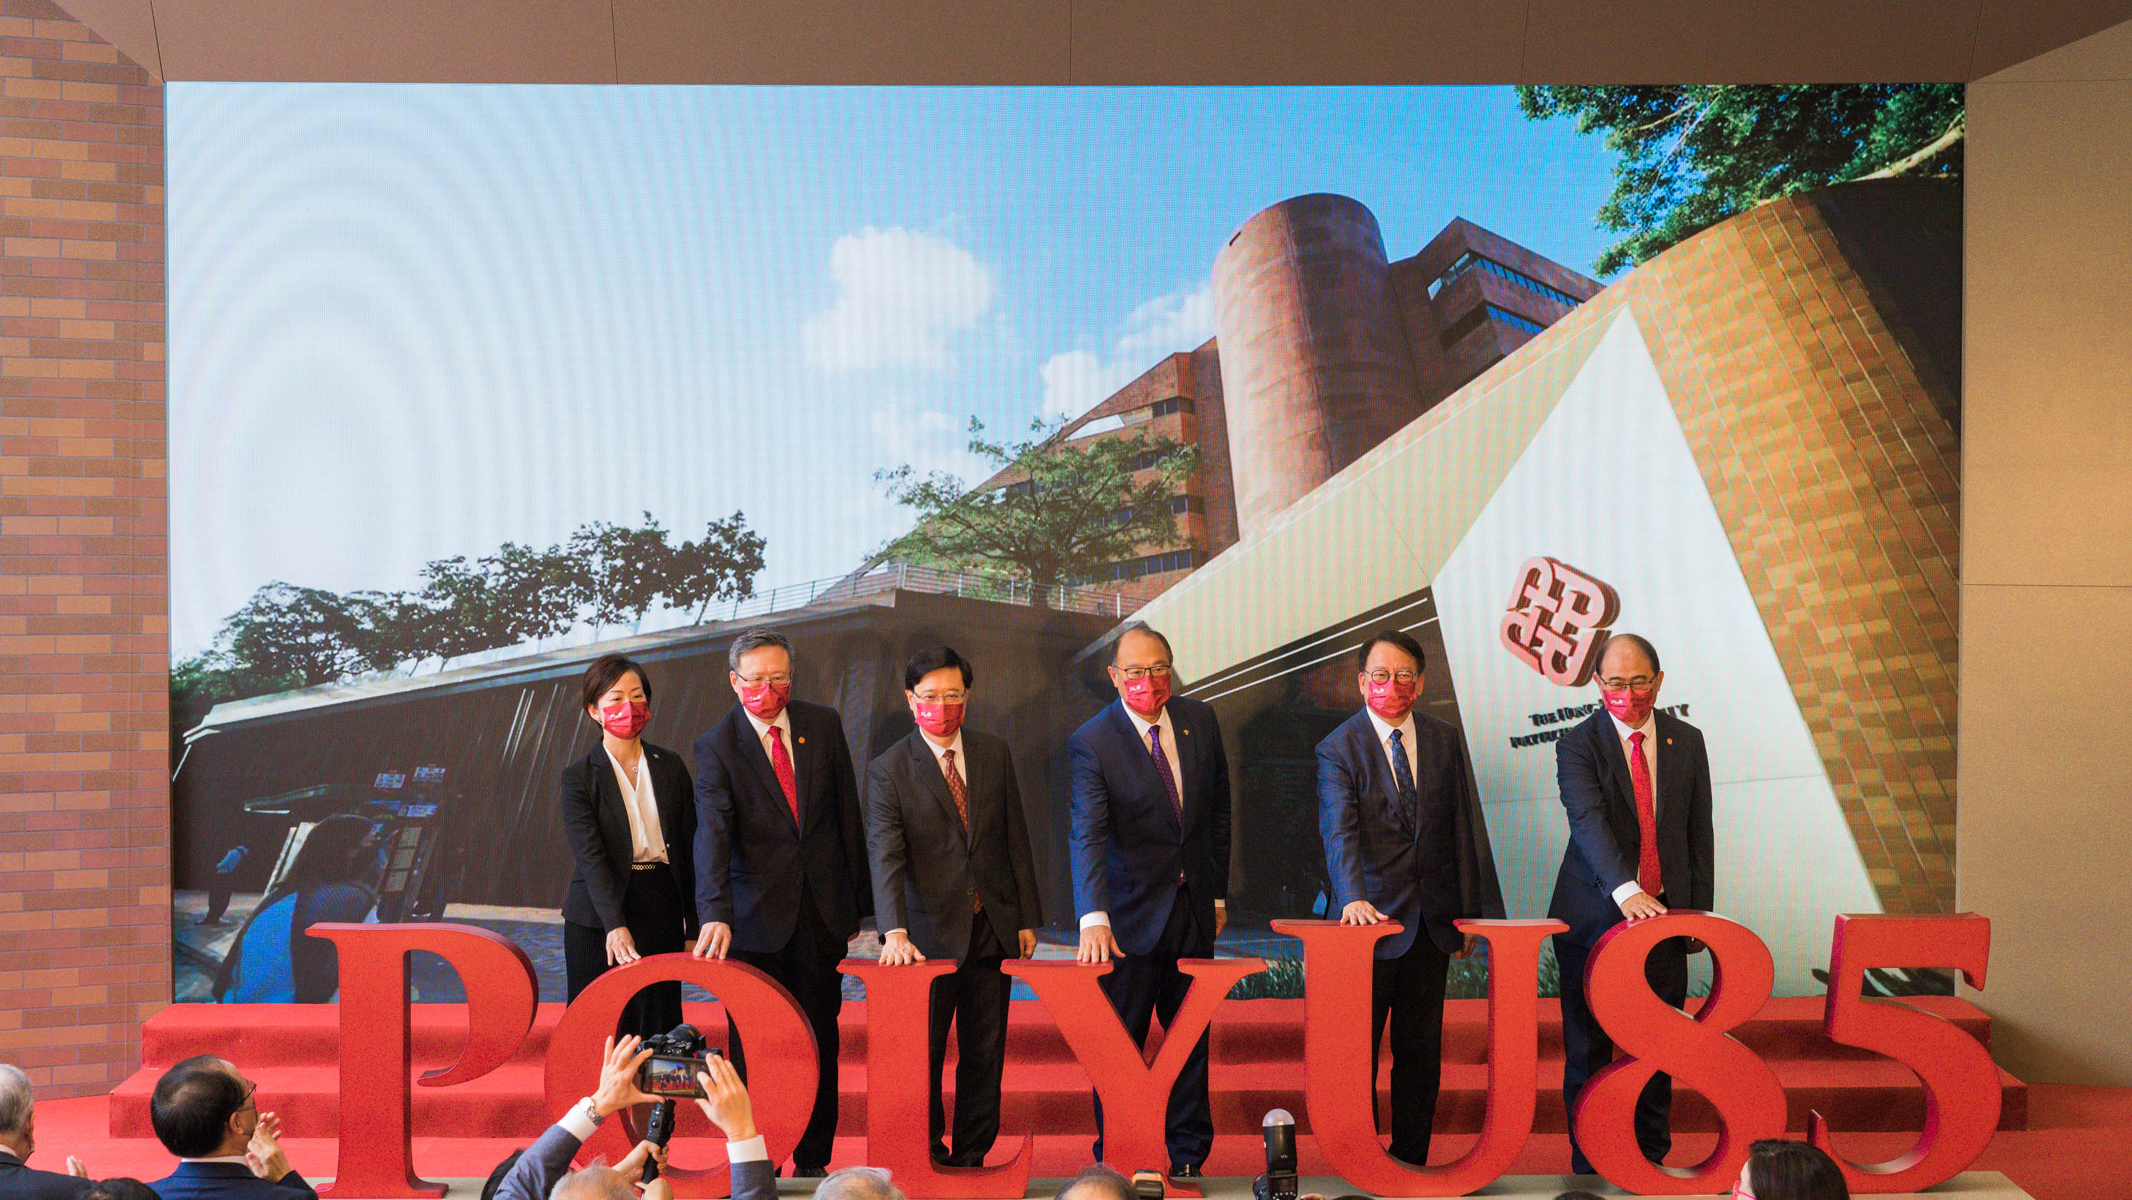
(1314, 363)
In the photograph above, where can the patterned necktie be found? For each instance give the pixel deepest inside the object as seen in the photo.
(781, 763)
(961, 791)
(1162, 768)
(1647, 876)
(1403, 775)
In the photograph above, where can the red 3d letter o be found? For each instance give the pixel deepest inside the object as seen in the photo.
(1655, 1036)
(1961, 1082)
(376, 1151)
(781, 1073)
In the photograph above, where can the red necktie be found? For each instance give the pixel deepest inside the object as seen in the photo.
(958, 789)
(781, 763)
(1647, 876)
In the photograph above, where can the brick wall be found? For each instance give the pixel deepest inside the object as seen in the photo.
(84, 755)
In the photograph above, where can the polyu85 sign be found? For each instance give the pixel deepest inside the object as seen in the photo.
(1961, 1084)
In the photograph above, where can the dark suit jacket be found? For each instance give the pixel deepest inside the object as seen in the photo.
(1603, 840)
(926, 865)
(751, 859)
(1424, 868)
(1127, 844)
(19, 1181)
(547, 1160)
(598, 828)
(229, 1181)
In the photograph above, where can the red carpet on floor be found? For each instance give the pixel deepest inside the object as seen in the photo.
(2057, 1142)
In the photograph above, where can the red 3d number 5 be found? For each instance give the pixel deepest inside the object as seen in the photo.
(1696, 1051)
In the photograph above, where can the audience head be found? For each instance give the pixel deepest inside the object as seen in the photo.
(596, 1182)
(18, 1114)
(1579, 1194)
(1097, 1182)
(202, 1108)
(858, 1183)
(1785, 1170)
(120, 1188)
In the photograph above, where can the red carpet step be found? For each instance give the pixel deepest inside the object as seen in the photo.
(292, 1052)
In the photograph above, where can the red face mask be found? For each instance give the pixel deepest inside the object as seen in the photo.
(1147, 694)
(1631, 707)
(625, 719)
(940, 720)
(765, 700)
(1392, 699)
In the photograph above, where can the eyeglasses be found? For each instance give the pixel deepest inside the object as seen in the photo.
(1403, 678)
(941, 697)
(1642, 683)
(250, 1090)
(759, 680)
(1136, 674)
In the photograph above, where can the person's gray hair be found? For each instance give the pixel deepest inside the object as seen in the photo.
(596, 1182)
(15, 1099)
(858, 1183)
(1102, 1180)
(755, 639)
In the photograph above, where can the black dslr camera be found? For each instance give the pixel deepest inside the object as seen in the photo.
(676, 1057)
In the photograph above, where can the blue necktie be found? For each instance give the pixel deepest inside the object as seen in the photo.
(1403, 775)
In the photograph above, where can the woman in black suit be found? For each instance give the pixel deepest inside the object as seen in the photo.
(629, 809)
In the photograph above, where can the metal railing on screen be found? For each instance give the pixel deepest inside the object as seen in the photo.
(911, 577)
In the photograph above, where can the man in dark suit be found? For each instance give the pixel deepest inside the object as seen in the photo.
(1150, 849)
(205, 1113)
(781, 879)
(1636, 785)
(953, 878)
(18, 1140)
(1405, 841)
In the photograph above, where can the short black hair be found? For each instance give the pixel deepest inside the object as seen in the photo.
(927, 661)
(120, 1188)
(1102, 1176)
(603, 672)
(192, 1105)
(1398, 641)
(1634, 639)
(1140, 627)
(1787, 1170)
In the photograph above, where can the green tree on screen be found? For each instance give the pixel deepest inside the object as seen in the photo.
(1070, 508)
(721, 565)
(1692, 155)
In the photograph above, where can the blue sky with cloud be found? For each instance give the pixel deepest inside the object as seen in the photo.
(409, 322)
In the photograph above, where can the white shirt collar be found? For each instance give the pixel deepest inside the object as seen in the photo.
(940, 751)
(7, 1153)
(762, 727)
(225, 1158)
(1143, 724)
(1623, 730)
(1385, 728)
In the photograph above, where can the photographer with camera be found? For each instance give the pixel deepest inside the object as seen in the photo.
(543, 1171)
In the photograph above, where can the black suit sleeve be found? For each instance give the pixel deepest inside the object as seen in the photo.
(1584, 799)
(296, 1186)
(851, 824)
(1218, 796)
(1026, 903)
(1702, 842)
(886, 848)
(581, 822)
(714, 835)
(681, 839)
(1480, 893)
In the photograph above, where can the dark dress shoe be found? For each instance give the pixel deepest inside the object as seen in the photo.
(1185, 1171)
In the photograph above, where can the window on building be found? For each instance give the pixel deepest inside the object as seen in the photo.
(1026, 487)
(1187, 504)
(1513, 320)
(1149, 458)
(1480, 315)
(1469, 261)
(1175, 404)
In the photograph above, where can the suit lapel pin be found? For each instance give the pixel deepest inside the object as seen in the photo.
(803, 741)
(1669, 741)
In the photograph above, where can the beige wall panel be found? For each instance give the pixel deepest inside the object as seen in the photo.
(2048, 410)
(1296, 41)
(128, 25)
(2011, 32)
(842, 41)
(2044, 841)
(526, 41)
(1748, 41)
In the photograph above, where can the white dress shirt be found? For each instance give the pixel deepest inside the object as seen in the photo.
(1405, 729)
(647, 839)
(1169, 751)
(1623, 730)
(940, 753)
(783, 723)
(582, 1121)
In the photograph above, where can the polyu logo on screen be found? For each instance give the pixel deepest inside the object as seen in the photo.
(1558, 619)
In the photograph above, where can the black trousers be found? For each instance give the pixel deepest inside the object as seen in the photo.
(1587, 1049)
(1144, 985)
(1410, 991)
(807, 967)
(974, 998)
(219, 891)
(657, 922)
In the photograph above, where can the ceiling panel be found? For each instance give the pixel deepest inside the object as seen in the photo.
(475, 41)
(2013, 31)
(1296, 41)
(842, 41)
